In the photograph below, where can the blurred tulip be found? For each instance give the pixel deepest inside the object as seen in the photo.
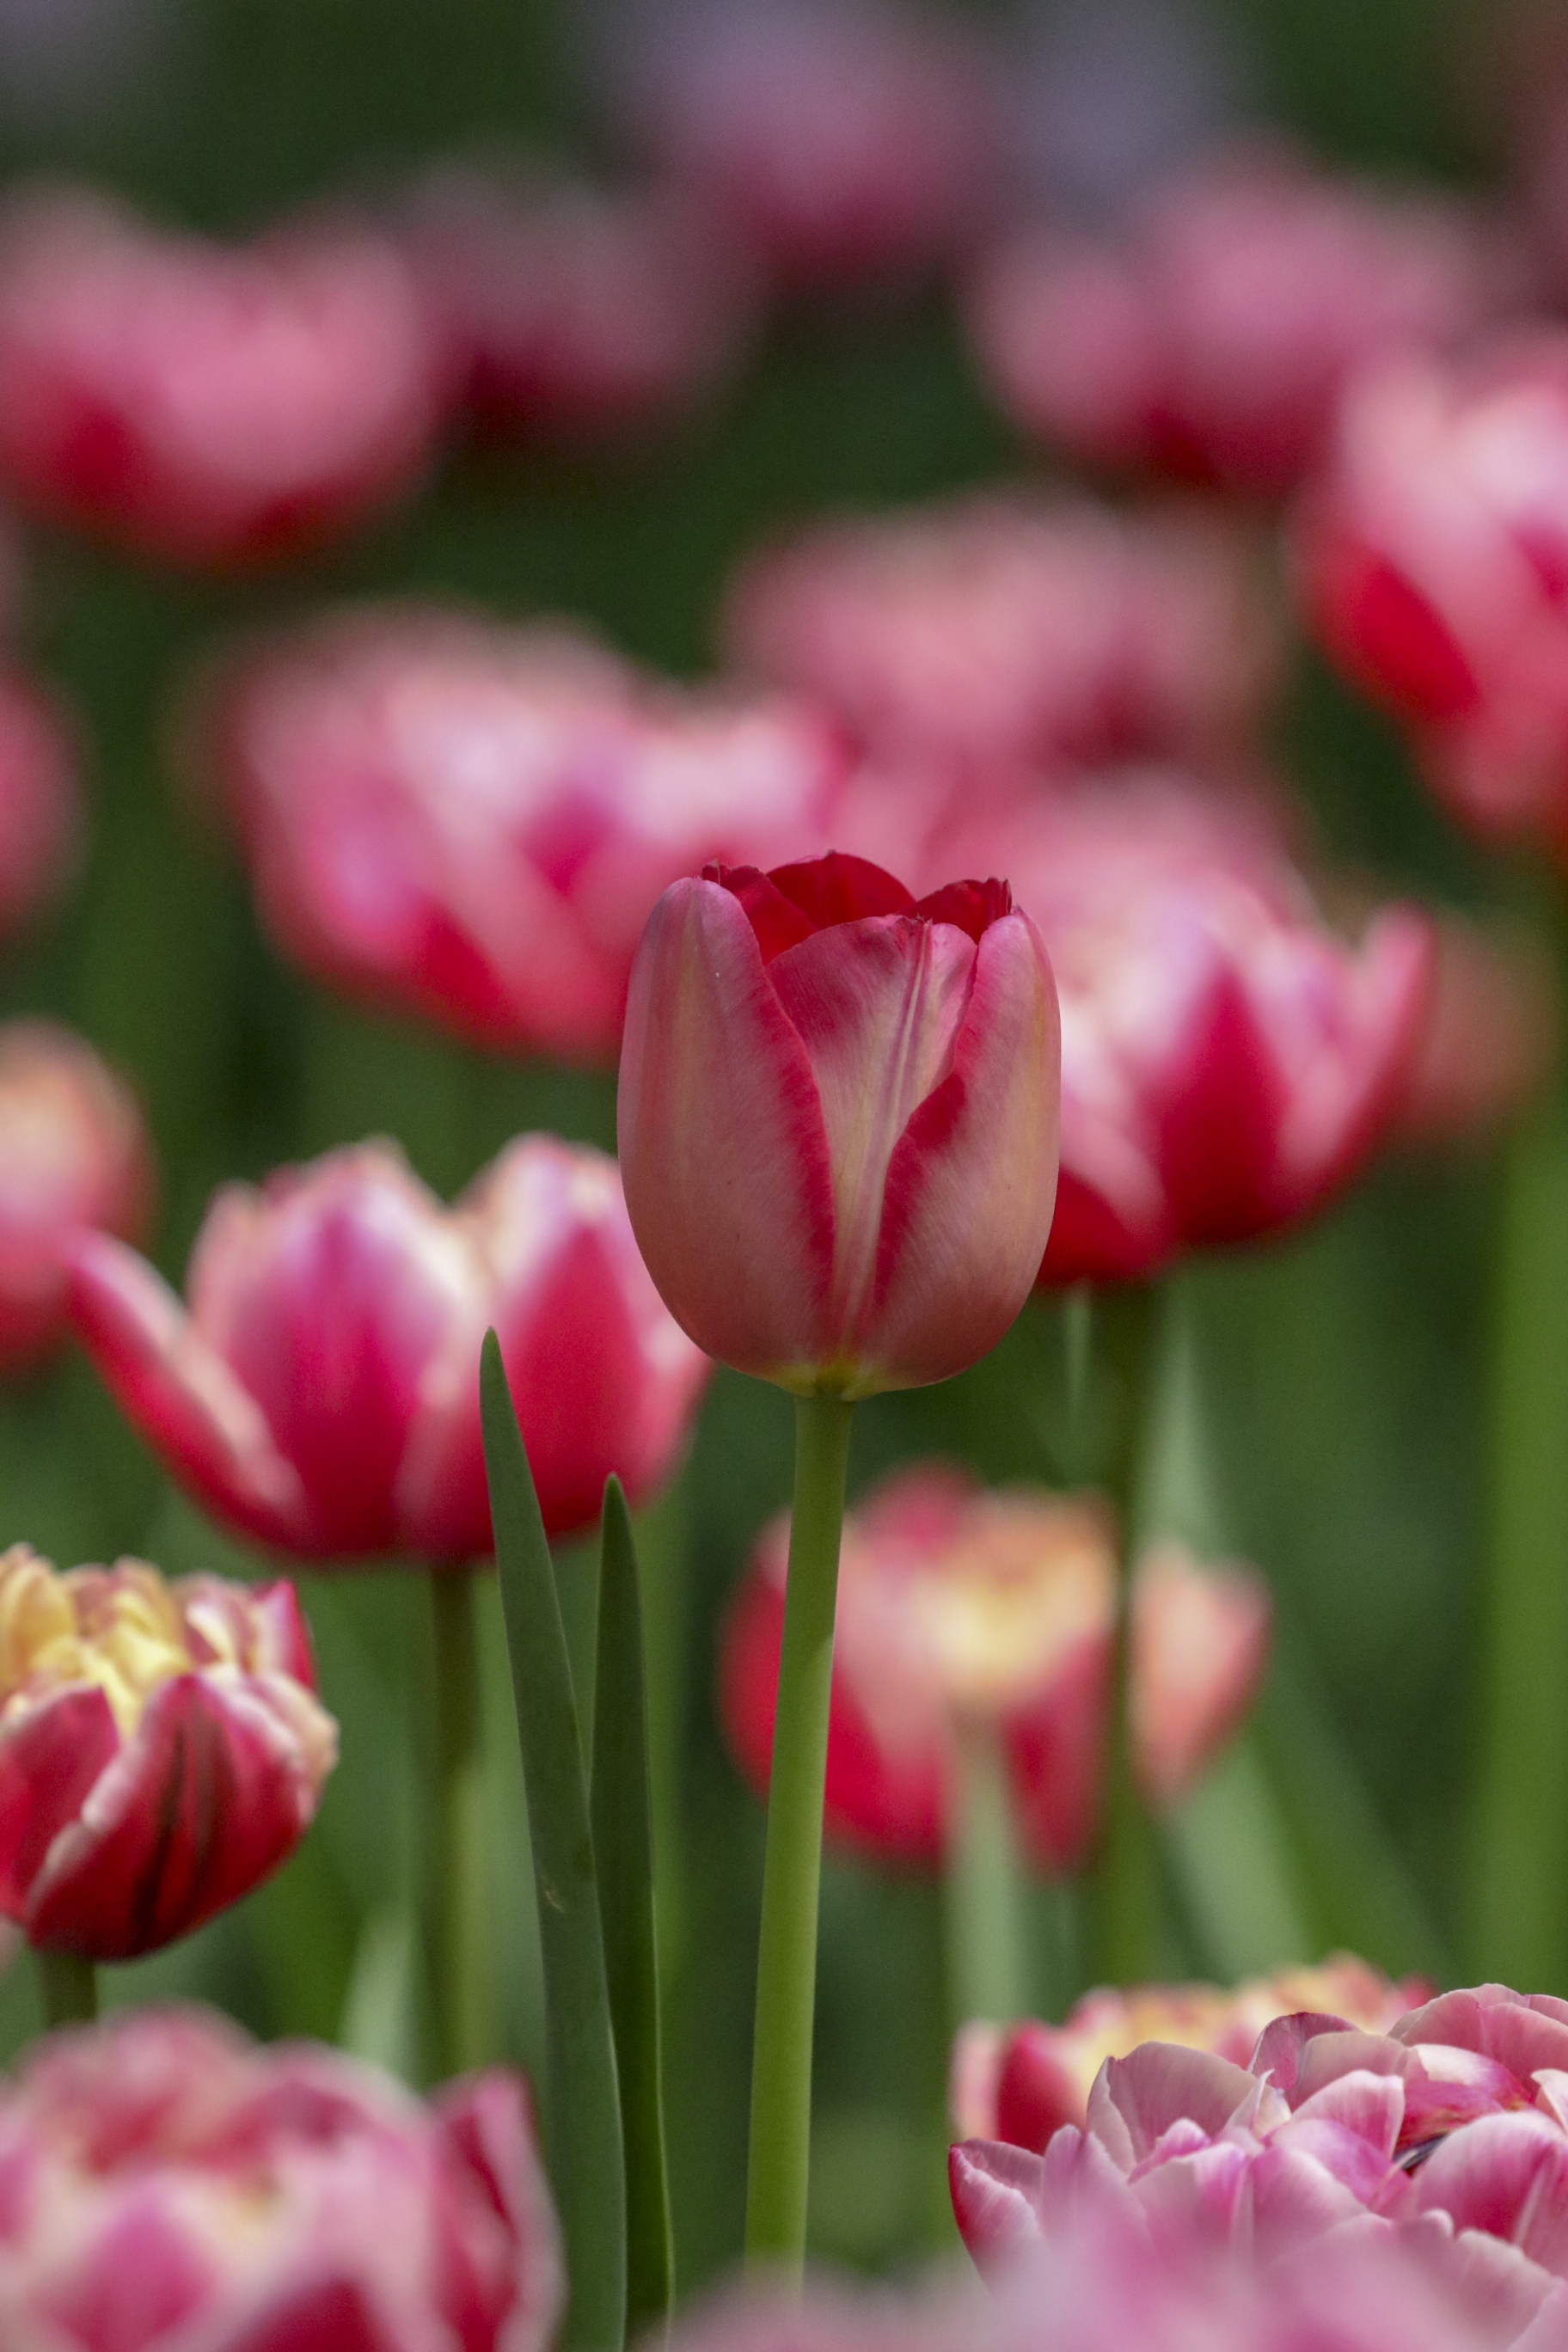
(990, 634)
(162, 1750)
(203, 404)
(1431, 558)
(837, 1119)
(40, 806)
(1491, 1038)
(575, 313)
(959, 1607)
(473, 821)
(74, 1152)
(320, 1392)
(841, 140)
(1229, 1063)
(178, 2186)
(1022, 2083)
(1213, 339)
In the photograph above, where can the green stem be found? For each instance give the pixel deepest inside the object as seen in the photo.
(458, 1917)
(787, 1956)
(983, 1889)
(70, 1988)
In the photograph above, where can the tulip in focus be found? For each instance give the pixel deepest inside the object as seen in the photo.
(178, 2185)
(1214, 338)
(962, 1610)
(991, 635)
(74, 1153)
(162, 1750)
(203, 404)
(837, 1119)
(320, 1391)
(472, 820)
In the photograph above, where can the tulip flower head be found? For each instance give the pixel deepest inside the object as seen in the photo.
(964, 1610)
(162, 1750)
(321, 1390)
(178, 2185)
(837, 1119)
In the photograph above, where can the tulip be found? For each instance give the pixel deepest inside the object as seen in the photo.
(472, 822)
(178, 2185)
(989, 636)
(41, 822)
(1492, 1039)
(74, 1154)
(203, 404)
(1215, 339)
(162, 1750)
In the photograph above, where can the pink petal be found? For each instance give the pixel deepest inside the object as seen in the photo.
(330, 2314)
(1507, 2176)
(1137, 2099)
(137, 2284)
(996, 2198)
(50, 1755)
(1282, 2045)
(514, 2278)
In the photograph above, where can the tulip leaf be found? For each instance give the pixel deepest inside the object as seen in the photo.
(623, 1847)
(581, 2091)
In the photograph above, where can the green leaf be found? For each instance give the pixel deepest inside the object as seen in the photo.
(623, 1845)
(582, 2093)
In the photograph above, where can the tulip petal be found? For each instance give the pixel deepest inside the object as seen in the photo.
(515, 2275)
(996, 2197)
(50, 1757)
(1137, 2099)
(203, 1426)
(723, 1149)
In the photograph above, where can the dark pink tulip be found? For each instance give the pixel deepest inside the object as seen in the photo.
(837, 1119)
(994, 634)
(162, 1750)
(320, 1391)
(569, 312)
(841, 140)
(199, 404)
(1229, 1063)
(473, 821)
(1214, 338)
(176, 2187)
(74, 1153)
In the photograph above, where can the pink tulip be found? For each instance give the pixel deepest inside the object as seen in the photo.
(960, 1609)
(1492, 1039)
(162, 1750)
(203, 404)
(1229, 1063)
(173, 2186)
(991, 635)
(473, 821)
(1215, 339)
(321, 1390)
(41, 820)
(837, 1119)
(74, 1153)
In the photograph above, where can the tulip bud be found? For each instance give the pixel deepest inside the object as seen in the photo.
(162, 1750)
(837, 1119)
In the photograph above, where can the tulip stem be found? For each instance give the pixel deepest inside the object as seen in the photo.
(462, 2006)
(787, 1956)
(983, 1889)
(70, 1988)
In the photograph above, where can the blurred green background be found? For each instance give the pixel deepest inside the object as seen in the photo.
(1322, 1411)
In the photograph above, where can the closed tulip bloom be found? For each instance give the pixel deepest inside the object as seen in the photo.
(74, 1153)
(162, 1750)
(837, 1119)
(472, 820)
(205, 404)
(320, 1391)
(176, 2185)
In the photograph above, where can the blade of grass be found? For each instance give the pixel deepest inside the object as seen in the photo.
(582, 2092)
(623, 1849)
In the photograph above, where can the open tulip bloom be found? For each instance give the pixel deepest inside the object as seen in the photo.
(837, 1124)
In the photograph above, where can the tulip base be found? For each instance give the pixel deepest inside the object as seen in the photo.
(779, 2155)
(457, 1913)
(69, 1985)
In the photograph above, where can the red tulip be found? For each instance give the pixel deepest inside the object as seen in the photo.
(570, 312)
(162, 1750)
(40, 805)
(73, 1153)
(958, 1608)
(1229, 1063)
(1214, 340)
(321, 1390)
(174, 2186)
(994, 634)
(474, 821)
(837, 1119)
(1431, 558)
(203, 404)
